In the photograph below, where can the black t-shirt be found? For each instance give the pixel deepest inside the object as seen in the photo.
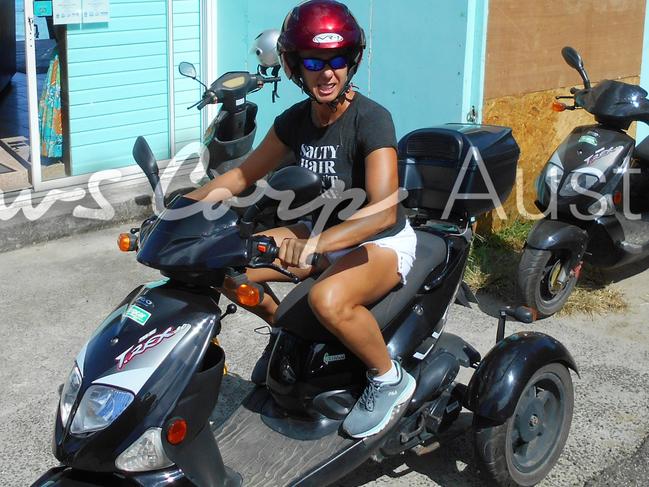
(337, 152)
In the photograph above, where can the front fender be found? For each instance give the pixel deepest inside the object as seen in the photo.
(500, 378)
(557, 235)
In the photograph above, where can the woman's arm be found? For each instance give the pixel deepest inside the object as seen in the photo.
(380, 213)
(266, 157)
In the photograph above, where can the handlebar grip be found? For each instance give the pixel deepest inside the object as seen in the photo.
(314, 259)
(202, 104)
(273, 250)
(208, 97)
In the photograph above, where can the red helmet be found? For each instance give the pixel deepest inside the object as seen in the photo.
(320, 24)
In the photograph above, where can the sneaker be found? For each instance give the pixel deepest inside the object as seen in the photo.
(372, 412)
(258, 375)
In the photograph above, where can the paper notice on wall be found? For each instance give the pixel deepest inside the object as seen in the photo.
(66, 11)
(96, 11)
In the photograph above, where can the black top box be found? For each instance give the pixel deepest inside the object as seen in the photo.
(458, 169)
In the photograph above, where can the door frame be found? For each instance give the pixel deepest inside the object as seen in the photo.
(35, 174)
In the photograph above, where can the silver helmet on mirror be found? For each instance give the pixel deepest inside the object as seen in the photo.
(265, 48)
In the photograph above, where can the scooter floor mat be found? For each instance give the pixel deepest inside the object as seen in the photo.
(263, 456)
(636, 232)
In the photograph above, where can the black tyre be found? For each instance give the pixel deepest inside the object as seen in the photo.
(523, 450)
(544, 280)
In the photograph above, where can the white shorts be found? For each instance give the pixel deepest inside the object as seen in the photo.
(403, 243)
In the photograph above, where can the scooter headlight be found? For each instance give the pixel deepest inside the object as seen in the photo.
(547, 183)
(552, 176)
(100, 406)
(69, 393)
(145, 454)
(577, 183)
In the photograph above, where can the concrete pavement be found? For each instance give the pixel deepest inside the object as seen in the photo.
(53, 295)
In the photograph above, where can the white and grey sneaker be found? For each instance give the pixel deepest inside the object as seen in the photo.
(372, 412)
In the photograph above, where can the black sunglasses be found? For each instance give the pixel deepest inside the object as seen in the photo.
(315, 64)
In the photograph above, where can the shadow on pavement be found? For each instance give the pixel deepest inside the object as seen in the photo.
(234, 390)
(450, 465)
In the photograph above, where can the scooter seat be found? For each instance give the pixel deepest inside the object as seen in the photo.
(295, 315)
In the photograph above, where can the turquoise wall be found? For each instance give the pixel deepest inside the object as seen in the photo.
(186, 47)
(117, 75)
(424, 60)
(119, 82)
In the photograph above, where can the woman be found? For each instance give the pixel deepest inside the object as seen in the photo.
(350, 141)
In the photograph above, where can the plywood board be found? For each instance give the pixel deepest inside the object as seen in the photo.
(524, 41)
(538, 131)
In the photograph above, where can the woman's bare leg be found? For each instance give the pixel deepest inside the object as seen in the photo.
(266, 309)
(339, 298)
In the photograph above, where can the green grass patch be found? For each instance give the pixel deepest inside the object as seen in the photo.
(493, 269)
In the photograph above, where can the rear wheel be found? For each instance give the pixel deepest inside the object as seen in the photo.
(523, 450)
(545, 281)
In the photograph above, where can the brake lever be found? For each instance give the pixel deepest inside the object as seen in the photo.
(266, 265)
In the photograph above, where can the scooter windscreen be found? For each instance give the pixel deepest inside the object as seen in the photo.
(193, 236)
(615, 101)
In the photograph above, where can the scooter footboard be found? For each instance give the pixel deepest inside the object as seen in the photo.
(500, 378)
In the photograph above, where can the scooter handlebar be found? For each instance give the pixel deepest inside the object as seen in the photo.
(273, 252)
(208, 98)
(265, 250)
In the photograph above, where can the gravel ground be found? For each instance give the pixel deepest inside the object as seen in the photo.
(55, 294)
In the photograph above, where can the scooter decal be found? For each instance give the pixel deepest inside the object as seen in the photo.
(327, 37)
(142, 301)
(600, 154)
(137, 314)
(146, 343)
(588, 139)
(142, 366)
(333, 358)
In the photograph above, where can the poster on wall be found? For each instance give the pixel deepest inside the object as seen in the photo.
(96, 11)
(66, 11)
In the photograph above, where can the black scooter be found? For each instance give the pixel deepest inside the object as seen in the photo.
(135, 407)
(594, 191)
(228, 139)
(230, 136)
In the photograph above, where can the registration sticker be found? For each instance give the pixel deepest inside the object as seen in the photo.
(137, 314)
(588, 139)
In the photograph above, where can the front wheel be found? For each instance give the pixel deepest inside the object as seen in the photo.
(545, 280)
(523, 450)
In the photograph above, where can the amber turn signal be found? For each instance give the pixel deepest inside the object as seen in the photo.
(249, 295)
(617, 198)
(557, 106)
(126, 242)
(177, 431)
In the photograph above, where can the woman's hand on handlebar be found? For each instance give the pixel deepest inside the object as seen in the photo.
(298, 252)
